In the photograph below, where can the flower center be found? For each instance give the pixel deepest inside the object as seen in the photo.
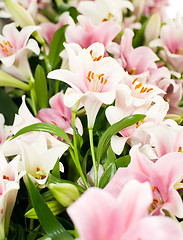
(138, 88)
(96, 81)
(40, 174)
(157, 199)
(6, 48)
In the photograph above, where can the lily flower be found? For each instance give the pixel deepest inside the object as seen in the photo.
(93, 78)
(38, 159)
(162, 179)
(14, 46)
(171, 41)
(99, 215)
(59, 114)
(9, 185)
(85, 33)
(102, 10)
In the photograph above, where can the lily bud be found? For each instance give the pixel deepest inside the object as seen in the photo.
(64, 193)
(22, 17)
(152, 28)
(54, 206)
(19, 14)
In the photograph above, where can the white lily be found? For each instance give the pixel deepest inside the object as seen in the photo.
(102, 10)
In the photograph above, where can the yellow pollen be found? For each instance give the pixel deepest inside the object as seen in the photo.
(134, 80)
(138, 86)
(5, 43)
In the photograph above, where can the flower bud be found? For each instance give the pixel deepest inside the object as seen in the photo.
(54, 206)
(152, 28)
(19, 14)
(64, 193)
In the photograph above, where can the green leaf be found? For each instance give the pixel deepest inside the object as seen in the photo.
(104, 141)
(41, 87)
(7, 107)
(49, 223)
(139, 38)
(123, 161)
(56, 170)
(107, 175)
(56, 47)
(45, 127)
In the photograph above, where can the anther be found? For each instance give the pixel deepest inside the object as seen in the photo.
(38, 169)
(138, 86)
(150, 89)
(180, 149)
(134, 80)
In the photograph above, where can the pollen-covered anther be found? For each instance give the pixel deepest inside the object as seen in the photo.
(150, 89)
(38, 169)
(138, 86)
(6, 177)
(153, 188)
(97, 58)
(134, 80)
(180, 149)
(6, 47)
(96, 81)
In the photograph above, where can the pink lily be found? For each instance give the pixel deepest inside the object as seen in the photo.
(158, 145)
(171, 41)
(14, 42)
(59, 114)
(93, 78)
(161, 179)
(48, 29)
(86, 33)
(98, 215)
(134, 61)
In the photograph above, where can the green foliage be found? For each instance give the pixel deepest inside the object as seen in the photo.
(41, 87)
(48, 221)
(56, 47)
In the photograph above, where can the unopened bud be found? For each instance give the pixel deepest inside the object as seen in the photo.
(152, 28)
(20, 15)
(64, 193)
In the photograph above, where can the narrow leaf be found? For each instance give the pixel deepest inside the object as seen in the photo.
(45, 127)
(112, 130)
(56, 47)
(107, 175)
(56, 170)
(49, 223)
(41, 87)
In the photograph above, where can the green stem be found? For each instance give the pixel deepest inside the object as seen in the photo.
(93, 157)
(75, 155)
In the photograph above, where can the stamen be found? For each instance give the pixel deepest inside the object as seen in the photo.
(9, 44)
(153, 188)
(180, 149)
(53, 122)
(38, 169)
(155, 200)
(105, 81)
(92, 76)
(6, 177)
(138, 86)
(134, 80)
(150, 89)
